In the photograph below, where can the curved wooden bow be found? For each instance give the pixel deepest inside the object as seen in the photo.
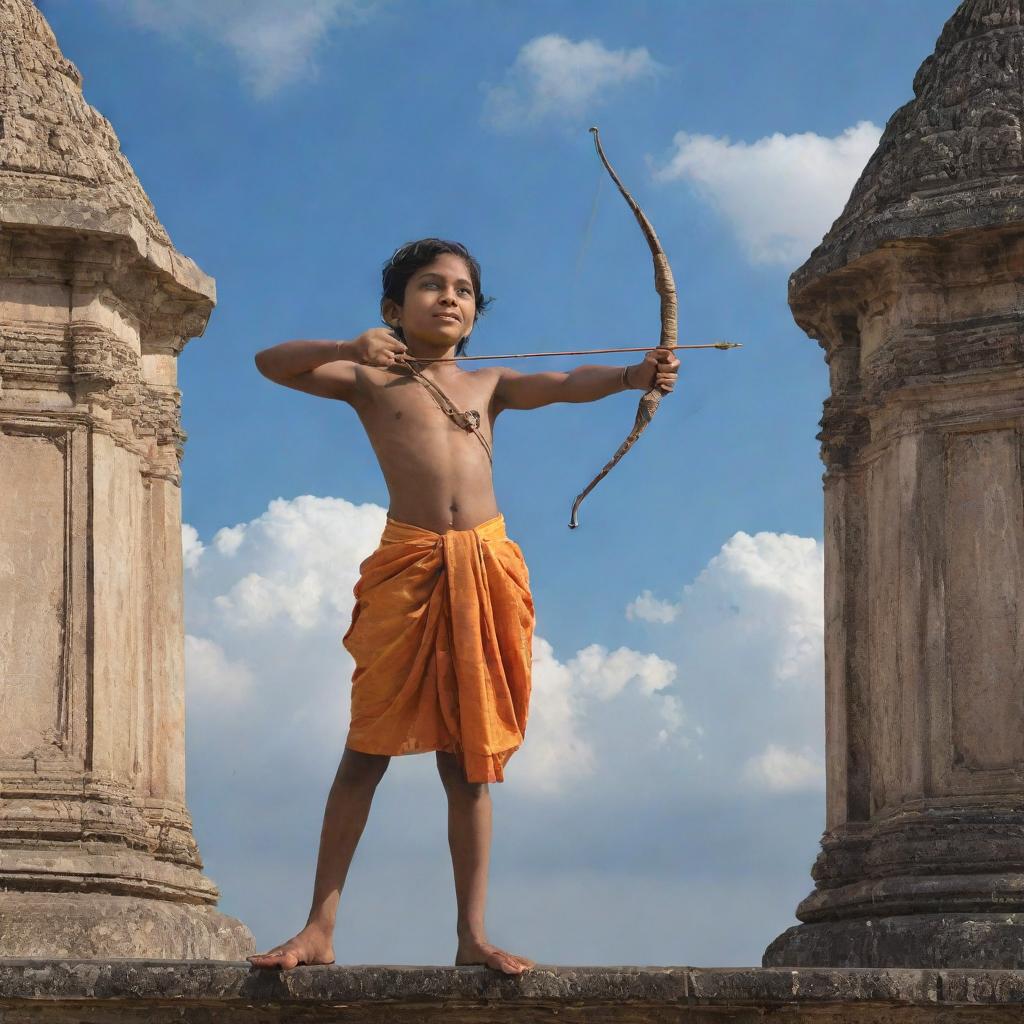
(665, 286)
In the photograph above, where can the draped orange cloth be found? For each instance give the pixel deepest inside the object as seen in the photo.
(441, 635)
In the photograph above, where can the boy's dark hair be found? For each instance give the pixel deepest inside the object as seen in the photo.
(414, 255)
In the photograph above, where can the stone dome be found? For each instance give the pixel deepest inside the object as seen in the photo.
(951, 158)
(61, 164)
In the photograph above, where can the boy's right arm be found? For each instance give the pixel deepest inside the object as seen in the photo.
(328, 368)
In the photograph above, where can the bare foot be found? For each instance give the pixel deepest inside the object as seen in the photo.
(472, 952)
(310, 946)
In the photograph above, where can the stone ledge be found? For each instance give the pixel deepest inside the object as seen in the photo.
(65, 991)
(84, 217)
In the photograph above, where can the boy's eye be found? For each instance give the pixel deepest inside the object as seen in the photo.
(434, 284)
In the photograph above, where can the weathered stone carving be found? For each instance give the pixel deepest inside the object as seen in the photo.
(916, 294)
(97, 856)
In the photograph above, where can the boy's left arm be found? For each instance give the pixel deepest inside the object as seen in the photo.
(514, 390)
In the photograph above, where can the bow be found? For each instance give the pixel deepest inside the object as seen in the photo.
(665, 286)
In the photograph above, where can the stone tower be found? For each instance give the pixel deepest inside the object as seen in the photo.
(917, 296)
(97, 856)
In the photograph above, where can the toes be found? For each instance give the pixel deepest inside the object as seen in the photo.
(280, 958)
(507, 963)
(497, 960)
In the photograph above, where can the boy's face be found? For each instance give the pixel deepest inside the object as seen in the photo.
(440, 302)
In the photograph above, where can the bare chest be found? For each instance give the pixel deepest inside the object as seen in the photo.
(425, 404)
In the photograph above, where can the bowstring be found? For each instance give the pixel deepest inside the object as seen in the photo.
(588, 230)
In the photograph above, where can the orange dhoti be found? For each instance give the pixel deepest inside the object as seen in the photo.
(441, 635)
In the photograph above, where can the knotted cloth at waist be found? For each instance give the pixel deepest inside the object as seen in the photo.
(441, 635)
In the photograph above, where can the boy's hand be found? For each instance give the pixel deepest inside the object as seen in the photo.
(660, 368)
(378, 347)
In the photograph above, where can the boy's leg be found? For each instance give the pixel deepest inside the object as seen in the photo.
(469, 837)
(348, 806)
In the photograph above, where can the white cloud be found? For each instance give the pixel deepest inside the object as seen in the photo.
(607, 675)
(228, 539)
(191, 547)
(275, 43)
(554, 77)
(556, 751)
(792, 570)
(561, 743)
(675, 718)
(746, 637)
(269, 600)
(637, 765)
(298, 561)
(780, 770)
(648, 608)
(779, 194)
(212, 676)
(779, 579)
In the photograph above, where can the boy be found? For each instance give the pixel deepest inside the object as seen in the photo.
(443, 621)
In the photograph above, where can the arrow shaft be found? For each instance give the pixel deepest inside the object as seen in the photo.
(572, 352)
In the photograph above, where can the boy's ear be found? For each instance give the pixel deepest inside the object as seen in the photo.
(391, 311)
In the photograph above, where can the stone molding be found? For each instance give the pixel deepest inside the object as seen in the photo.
(66, 991)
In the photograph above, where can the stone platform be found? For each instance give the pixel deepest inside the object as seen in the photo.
(213, 991)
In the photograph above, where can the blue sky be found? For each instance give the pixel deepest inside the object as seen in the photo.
(668, 801)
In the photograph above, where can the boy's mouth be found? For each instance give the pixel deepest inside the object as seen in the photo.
(449, 316)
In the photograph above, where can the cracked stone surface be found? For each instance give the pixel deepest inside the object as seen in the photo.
(66, 991)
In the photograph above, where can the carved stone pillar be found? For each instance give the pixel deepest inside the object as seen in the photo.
(916, 295)
(97, 856)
